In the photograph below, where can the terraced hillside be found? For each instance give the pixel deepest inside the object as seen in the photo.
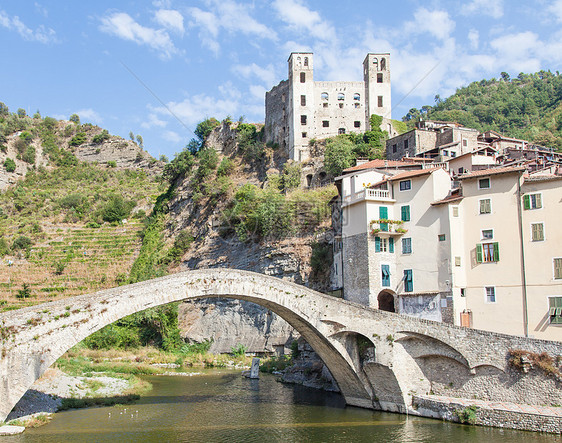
(62, 231)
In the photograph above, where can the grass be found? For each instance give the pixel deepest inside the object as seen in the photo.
(33, 421)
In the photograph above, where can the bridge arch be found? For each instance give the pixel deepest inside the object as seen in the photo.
(40, 335)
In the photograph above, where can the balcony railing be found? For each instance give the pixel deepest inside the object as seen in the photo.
(383, 226)
(367, 194)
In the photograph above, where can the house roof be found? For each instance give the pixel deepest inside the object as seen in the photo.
(542, 178)
(409, 174)
(380, 164)
(491, 171)
(454, 196)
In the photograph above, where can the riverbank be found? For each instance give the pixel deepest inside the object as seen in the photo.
(84, 378)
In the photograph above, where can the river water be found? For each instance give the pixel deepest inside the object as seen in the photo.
(222, 406)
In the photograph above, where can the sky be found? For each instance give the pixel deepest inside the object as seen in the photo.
(158, 68)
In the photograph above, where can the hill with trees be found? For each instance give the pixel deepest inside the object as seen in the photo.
(527, 107)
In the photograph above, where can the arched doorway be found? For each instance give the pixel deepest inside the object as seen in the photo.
(386, 301)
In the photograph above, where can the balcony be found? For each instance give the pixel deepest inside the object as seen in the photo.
(367, 194)
(393, 228)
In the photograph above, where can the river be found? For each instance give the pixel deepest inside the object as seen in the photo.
(222, 406)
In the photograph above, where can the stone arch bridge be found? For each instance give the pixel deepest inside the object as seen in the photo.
(411, 356)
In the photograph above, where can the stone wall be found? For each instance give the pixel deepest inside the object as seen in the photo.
(276, 115)
(356, 277)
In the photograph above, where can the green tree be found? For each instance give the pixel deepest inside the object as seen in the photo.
(116, 209)
(139, 140)
(10, 165)
(338, 155)
(4, 110)
(204, 128)
(21, 112)
(75, 118)
(132, 136)
(78, 139)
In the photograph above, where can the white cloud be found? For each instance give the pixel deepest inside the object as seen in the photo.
(123, 26)
(170, 19)
(301, 18)
(493, 8)
(473, 38)
(152, 121)
(41, 10)
(436, 23)
(266, 75)
(230, 16)
(173, 136)
(556, 9)
(518, 52)
(193, 109)
(89, 115)
(41, 34)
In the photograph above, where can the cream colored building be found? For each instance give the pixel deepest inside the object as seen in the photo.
(487, 254)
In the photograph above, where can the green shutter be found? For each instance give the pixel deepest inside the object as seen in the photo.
(377, 244)
(383, 215)
(405, 213)
(391, 245)
(527, 201)
(496, 252)
(478, 253)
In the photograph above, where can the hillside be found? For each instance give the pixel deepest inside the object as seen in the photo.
(527, 107)
(61, 228)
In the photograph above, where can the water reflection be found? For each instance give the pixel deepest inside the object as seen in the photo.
(222, 406)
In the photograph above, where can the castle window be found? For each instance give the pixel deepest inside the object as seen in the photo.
(380, 101)
(325, 124)
(394, 148)
(341, 131)
(341, 105)
(375, 61)
(283, 98)
(383, 64)
(306, 61)
(324, 96)
(357, 105)
(303, 100)
(341, 96)
(405, 144)
(357, 124)
(309, 180)
(356, 96)
(304, 135)
(303, 77)
(303, 119)
(325, 105)
(379, 78)
(298, 61)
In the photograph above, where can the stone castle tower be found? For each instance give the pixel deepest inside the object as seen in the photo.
(300, 109)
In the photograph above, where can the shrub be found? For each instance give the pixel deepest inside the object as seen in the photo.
(26, 137)
(21, 112)
(338, 154)
(100, 138)
(68, 130)
(116, 209)
(291, 176)
(321, 258)
(77, 202)
(163, 158)
(49, 123)
(179, 166)
(196, 348)
(20, 146)
(4, 110)
(239, 350)
(182, 243)
(22, 242)
(226, 167)
(59, 267)
(205, 127)
(112, 163)
(29, 155)
(74, 118)
(4, 247)
(24, 292)
(467, 415)
(10, 165)
(78, 139)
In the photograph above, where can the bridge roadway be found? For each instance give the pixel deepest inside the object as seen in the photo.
(411, 356)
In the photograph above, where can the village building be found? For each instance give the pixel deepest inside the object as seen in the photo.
(301, 109)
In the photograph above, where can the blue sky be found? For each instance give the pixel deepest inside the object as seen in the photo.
(125, 65)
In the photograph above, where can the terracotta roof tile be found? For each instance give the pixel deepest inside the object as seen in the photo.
(380, 164)
(491, 171)
(408, 174)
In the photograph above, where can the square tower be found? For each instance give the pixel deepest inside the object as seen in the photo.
(301, 104)
(376, 72)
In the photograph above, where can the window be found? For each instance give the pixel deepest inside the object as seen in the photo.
(457, 261)
(340, 105)
(394, 148)
(441, 237)
(341, 96)
(465, 142)
(379, 78)
(487, 252)
(341, 131)
(557, 268)
(532, 201)
(385, 270)
(487, 234)
(304, 135)
(382, 244)
(383, 64)
(408, 280)
(455, 211)
(356, 124)
(555, 310)
(537, 231)
(484, 183)
(445, 152)
(406, 245)
(324, 96)
(485, 206)
(303, 77)
(325, 105)
(303, 100)
(379, 99)
(405, 144)
(283, 99)
(405, 185)
(405, 213)
(490, 294)
(383, 215)
(357, 105)
(303, 119)
(453, 154)
(325, 123)
(357, 96)
(306, 61)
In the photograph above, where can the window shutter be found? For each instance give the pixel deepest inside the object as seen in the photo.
(391, 245)
(377, 244)
(557, 268)
(478, 253)
(496, 252)
(540, 231)
(538, 201)
(383, 212)
(488, 206)
(405, 213)
(527, 201)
